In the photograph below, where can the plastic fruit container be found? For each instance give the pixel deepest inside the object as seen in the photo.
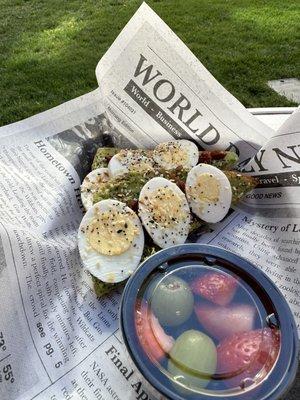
(200, 322)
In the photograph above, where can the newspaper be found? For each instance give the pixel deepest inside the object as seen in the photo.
(58, 341)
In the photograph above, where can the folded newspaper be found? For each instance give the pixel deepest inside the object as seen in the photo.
(56, 336)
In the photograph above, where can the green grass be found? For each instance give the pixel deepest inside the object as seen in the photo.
(49, 48)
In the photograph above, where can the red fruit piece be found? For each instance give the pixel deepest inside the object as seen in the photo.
(221, 322)
(155, 342)
(244, 355)
(216, 287)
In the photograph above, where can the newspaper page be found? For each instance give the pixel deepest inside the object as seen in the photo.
(155, 89)
(58, 341)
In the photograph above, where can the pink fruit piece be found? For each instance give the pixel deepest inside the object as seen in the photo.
(153, 339)
(165, 341)
(248, 355)
(221, 322)
(216, 287)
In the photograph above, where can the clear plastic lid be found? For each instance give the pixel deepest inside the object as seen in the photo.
(205, 328)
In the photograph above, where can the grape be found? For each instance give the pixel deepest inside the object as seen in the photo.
(172, 301)
(193, 360)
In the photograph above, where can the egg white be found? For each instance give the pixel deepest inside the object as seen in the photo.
(164, 236)
(209, 211)
(90, 185)
(114, 268)
(115, 167)
(188, 150)
(133, 159)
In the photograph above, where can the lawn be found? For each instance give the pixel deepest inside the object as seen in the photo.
(49, 48)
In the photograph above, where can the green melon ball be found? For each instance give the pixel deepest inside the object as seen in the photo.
(193, 360)
(172, 301)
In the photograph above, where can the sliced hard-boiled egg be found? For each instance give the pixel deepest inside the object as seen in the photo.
(164, 212)
(208, 192)
(130, 161)
(91, 183)
(110, 241)
(177, 153)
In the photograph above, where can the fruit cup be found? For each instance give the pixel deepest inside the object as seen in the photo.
(200, 322)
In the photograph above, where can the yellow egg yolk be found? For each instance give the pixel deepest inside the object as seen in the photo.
(111, 232)
(142, 166)
(165, 207)
(172, 154)
(206, 188)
